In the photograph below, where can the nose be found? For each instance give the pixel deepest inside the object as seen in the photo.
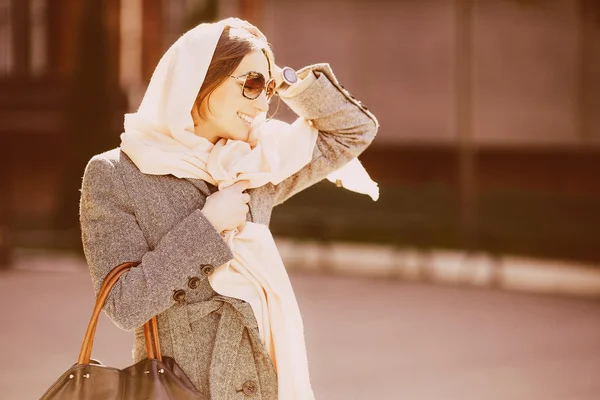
(261, 103)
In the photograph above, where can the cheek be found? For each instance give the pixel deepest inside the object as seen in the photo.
(224, 105)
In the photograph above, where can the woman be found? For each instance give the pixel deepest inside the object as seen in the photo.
(189, 193)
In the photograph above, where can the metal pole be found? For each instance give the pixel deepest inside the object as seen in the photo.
(464, 121)
(6, 245)
(585, 22)
(130, 57)
(21, 39)
(10, 62)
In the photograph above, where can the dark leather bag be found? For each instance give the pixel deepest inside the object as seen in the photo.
(155, 378)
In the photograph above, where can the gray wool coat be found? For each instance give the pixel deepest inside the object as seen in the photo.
(130, 216)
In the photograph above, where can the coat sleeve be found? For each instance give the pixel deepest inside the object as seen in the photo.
(346, 128)
(111, 236)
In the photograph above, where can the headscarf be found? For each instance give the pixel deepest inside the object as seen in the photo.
(159, 138)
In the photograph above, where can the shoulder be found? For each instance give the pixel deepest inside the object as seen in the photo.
(107, 178)
(113, 161)
(115, 157)
(111, 168)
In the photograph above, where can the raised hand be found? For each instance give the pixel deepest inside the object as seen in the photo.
(227, 208)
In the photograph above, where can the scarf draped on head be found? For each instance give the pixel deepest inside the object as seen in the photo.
(159, 138)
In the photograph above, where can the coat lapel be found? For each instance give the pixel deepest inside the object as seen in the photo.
(202, 186)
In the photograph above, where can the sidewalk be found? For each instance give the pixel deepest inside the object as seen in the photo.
(444, 267)
(389, 262)
(367, 339)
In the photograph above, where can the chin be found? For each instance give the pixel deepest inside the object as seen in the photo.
(241, 137)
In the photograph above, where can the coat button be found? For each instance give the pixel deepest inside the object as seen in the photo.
(194, 282)
(249, 388)
(208, 269)
(179, 295)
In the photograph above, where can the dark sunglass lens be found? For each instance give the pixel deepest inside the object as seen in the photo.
(254, 85)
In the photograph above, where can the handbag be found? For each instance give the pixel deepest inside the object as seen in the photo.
(154, 378)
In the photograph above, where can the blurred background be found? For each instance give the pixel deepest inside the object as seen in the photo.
(488, 151)
(490, 129)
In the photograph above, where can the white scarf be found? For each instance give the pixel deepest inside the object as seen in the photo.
(160, 140)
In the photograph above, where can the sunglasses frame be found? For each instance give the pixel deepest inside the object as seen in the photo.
(244, 77)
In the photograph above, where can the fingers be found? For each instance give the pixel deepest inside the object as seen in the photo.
(276, 74)
(241, 185)
(276, 68)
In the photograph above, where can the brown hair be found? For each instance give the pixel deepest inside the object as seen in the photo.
(233, 45)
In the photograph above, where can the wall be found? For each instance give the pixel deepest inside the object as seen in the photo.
(537, 68)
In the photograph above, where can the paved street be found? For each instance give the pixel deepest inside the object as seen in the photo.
(367, 339)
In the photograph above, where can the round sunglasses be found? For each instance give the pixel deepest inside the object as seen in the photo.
(254, 84)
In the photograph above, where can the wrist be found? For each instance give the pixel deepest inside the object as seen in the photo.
(285, 77)
(207, 216)
(303, 82)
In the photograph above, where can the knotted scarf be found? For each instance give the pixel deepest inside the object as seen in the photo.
(159, 138)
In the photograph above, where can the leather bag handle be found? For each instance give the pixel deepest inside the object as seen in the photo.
(150, 327)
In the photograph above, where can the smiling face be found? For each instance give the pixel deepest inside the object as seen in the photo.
(226, 112)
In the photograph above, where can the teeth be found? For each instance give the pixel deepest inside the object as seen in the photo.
(245, 117)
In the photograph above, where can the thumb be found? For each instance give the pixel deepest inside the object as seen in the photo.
(276, 74)
(241, 185)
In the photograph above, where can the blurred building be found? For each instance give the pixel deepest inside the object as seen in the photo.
(525, 113)
(50, 52)
(535, 83)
